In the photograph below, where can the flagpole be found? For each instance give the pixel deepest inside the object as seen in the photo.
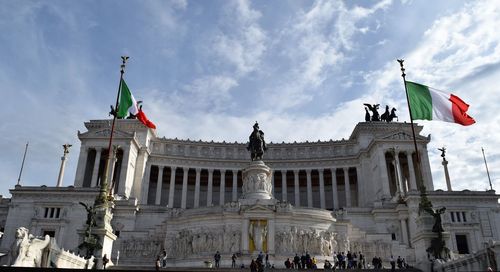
(487, 171)
(409, 109)
(105, 193)
(22, 164)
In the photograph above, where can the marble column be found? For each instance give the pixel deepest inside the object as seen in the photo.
(210, 187)
(145, 188)
(411, 170)
(159, 185)
(297, 189)
(360, 188)
(347, 187)
(235, 186)
(197, 189)
(309, 189)
(321, 189)
(95, 170)
(384, 177)
(122, 180)
(334, 189)
(222, 189)
(426, 170)
(283, 186)
(184, 187)
(82, 165)
(272, 182)
(171, 192)
(399, 174)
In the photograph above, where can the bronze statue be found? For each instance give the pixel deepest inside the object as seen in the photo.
(374, 110)
(90, 215)
(443, 152)
(367, 115)
(257, 145)
(388, 116)
(392, 115)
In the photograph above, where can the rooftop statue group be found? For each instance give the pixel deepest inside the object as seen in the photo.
(257, 144)
(376, 117)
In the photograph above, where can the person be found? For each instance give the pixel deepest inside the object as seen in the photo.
(361, 261)
(288, 264)
(105, 261)
(233, 259)
(393, 263)
(164, 259)
(327, 265)
(217, 259)
(296, 261)
(313, 264)
(267, 260)
(399, 262)
(253, 266)
(157, 264)
(260, 257)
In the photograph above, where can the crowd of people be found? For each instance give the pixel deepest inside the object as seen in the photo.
(341, 261)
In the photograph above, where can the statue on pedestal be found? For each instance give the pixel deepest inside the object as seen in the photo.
(257, 144)
(27, 250)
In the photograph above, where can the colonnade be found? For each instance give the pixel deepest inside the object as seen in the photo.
(90, 168)
(331, 188)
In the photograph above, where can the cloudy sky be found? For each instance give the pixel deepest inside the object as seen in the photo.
(209, 69)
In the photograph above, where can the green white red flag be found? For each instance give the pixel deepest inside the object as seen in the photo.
(431, 104)
(128, 104)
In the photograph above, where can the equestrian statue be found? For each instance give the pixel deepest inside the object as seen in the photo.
(257, 144)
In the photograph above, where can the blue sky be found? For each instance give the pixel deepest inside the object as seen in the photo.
(209, 69)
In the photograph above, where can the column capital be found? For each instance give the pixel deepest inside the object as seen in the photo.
(198, 170)
(296, 172)
(185, 169)
(283, 171)
(235, 172)
(161, 167)
(210, 170)
(173, 168)
(346, 168)
(321, 170)
(222, 171)
(308, 171)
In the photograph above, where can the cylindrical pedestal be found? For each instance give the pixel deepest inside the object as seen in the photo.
(257, 179)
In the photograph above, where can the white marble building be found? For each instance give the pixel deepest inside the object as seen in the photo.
(357, 194)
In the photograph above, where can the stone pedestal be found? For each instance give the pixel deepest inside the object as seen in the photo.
(257, 184)
(104, 231)
(422, 241)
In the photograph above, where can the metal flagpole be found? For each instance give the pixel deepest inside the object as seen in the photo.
(105, 193)
(409, 109)
(22, 164)
(487, 171)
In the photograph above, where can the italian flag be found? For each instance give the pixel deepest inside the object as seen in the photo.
(129, 104)
(127, 101)
(430, 104)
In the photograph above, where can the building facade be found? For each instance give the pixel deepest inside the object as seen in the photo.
(356, 194)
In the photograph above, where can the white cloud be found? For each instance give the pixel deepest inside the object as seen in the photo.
(324, 35)
(240, 41)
